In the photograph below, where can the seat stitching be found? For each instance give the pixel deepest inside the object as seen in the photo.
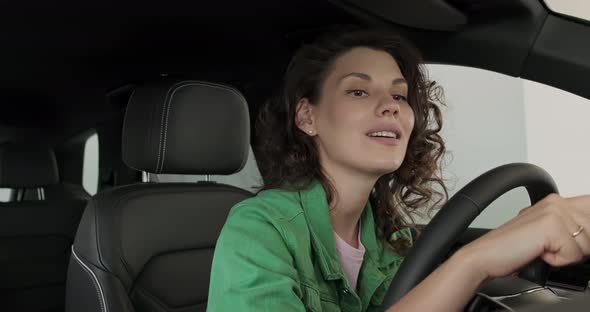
(163, 304)
(167, 105)
(99, 292)
(162, 126)
(91, 204)
(190, 188)
(161, 132)
(153, 297)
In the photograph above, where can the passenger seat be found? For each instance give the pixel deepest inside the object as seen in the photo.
(148, 247)
(35, 235)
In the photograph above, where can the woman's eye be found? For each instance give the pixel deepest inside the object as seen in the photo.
(398, 97)
(358, 93)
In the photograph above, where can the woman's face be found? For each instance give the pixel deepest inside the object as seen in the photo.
(362, 122)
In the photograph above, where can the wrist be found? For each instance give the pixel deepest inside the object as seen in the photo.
(468, 261)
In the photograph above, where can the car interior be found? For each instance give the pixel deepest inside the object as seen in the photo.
(172, 88)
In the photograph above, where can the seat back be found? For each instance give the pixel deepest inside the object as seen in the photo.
(149, 246)
(35, 236)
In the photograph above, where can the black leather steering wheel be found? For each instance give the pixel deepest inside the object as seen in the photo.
(457, 214)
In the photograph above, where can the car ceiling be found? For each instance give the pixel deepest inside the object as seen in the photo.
(60, 58)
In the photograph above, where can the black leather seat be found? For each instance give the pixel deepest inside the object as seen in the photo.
(149, 246)
(66, 190)
(35, 236)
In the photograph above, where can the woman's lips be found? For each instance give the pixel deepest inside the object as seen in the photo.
(386, 141)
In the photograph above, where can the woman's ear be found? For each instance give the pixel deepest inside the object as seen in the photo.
(304, 117)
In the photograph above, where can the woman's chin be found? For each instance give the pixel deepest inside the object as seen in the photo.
(384, 168)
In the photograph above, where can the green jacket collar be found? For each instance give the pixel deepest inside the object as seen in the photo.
(316, 210)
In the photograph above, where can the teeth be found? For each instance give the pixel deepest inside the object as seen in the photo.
(387, 134)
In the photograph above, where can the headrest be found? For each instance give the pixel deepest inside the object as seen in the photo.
(186, 127)
(27, 166)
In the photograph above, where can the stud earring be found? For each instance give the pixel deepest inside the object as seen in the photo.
(310, 131)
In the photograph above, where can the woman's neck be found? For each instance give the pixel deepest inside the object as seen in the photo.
(348, 202)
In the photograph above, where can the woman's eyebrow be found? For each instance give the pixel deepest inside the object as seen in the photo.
(366, 77)
(362, 76)
(399, 81)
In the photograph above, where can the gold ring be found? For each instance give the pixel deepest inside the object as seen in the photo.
(576, 233)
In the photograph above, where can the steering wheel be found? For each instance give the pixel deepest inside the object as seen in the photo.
(455, 217)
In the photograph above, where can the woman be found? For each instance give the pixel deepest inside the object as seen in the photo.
(349, 149)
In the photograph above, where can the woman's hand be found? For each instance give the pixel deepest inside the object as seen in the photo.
(550, 229)
(544, 230)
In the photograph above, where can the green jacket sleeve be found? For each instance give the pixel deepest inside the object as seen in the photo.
(252, 268)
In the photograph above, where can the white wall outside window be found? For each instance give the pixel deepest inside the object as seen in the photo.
(494, 119)
(90, 167)
(576, 8)
(557, 136)
(4, 194)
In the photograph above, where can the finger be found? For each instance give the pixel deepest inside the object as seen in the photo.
(561, 247)
(575, 212)
(583, 224)
(572, 220)
(569, 253)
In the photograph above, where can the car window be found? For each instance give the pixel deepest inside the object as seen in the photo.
(575, 8)
(492, 119)
(248, 178)
(90, 167)
(4, 194)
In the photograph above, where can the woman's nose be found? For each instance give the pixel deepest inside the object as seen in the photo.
(388, 106)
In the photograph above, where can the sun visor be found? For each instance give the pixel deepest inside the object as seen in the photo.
(424, 14)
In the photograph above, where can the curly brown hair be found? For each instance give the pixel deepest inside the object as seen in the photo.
(289, 159)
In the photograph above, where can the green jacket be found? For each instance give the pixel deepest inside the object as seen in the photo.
(276, 252)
